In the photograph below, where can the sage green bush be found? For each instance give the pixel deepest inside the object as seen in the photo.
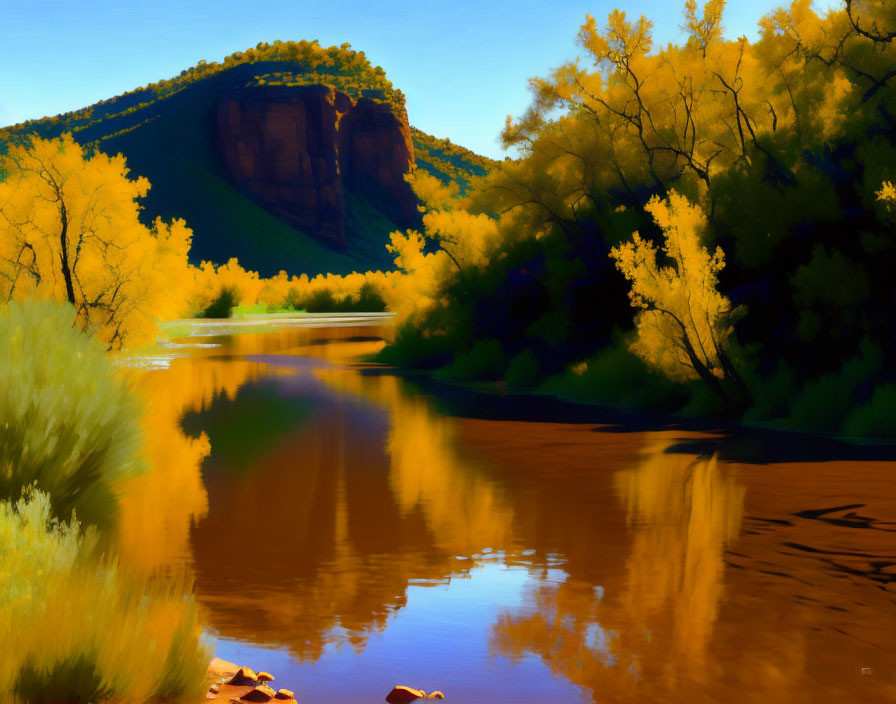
(69, 425)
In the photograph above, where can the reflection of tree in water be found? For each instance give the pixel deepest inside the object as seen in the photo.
(463, 507)
(318, 543)
(158, 507)
(682, 513)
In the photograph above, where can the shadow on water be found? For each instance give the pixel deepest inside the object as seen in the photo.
(731, 442)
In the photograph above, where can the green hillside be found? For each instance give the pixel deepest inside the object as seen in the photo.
(167, 133)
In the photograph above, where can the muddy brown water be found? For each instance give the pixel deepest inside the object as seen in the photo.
(349, 529)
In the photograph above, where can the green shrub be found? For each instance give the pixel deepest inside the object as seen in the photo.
(70, 426)
(485, 361)
(293, 300)
(223, 305)
(823, 404)
(772, 395)
(524, 370)
(413, 348)
(619, 377)
(877, 418)
(370, 300)
(74, 628)
(321, 301)
(703, 403)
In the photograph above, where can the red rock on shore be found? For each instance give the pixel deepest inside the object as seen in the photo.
(244, 677)
(262, 693)
(404, 695)
(223, 677)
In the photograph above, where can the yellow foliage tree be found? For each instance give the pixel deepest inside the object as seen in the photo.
(466, 238)
(887, 195)
(69, 230)
(684, 323)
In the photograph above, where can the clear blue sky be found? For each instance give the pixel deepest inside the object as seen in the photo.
(462, 64)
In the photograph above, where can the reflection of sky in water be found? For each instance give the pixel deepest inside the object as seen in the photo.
(437, 641)
(568, 551)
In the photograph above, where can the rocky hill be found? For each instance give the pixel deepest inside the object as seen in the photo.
(289, 156)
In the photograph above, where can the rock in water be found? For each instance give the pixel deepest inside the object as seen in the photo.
(403, 695)
(262, 693)
(265, 677)
(435, 695)
(285, 694)
(221, 668)
(244, 677)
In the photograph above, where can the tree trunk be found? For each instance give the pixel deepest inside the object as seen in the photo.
(63, 255)
(705, 374)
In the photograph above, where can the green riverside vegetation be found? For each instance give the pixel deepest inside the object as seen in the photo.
(75, 626)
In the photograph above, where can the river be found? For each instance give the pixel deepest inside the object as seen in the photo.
(349, 529)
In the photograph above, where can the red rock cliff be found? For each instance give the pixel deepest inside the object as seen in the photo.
(296, 150)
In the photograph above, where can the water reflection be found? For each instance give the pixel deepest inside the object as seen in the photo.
(311, 498)
(158, 508)
(682, 513)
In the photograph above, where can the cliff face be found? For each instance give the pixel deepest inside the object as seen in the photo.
(296, 150)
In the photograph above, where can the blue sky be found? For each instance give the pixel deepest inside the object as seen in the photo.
(462, 64)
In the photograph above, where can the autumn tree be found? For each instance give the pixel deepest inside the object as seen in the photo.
(466, 238)
(69, 230)
(684, 323)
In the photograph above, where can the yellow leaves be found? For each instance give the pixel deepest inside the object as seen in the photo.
(621, 42)
(69, 230)
(422, 274)
(708, 28)
(683, 324)
(887, 194)
(430, 190)
(468, 238)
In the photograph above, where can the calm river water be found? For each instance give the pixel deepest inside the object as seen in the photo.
(349, 530)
